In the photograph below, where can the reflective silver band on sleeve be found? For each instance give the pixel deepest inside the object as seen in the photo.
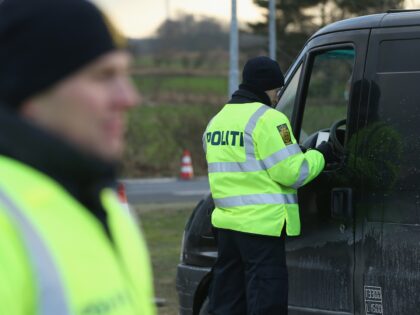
(255, 165)
(257, 199)
(281, 155)
(303, 175)
(51, 296)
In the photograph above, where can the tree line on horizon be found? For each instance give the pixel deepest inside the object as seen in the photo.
(199, 41)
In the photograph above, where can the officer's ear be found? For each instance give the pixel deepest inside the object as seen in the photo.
(274, 96)
(29, 108)
(35, 107)
(26, 109)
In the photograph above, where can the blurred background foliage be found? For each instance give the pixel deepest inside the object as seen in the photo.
(182, 73)
(157, 136)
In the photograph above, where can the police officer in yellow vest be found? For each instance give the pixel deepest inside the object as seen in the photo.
(255, 167)
(66, 245)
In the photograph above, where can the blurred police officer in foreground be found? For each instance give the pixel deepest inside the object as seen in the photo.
(66, 246)
(255, 167)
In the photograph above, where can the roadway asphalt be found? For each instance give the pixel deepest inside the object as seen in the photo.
(165, 190)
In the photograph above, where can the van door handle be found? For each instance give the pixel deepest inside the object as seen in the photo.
(341, 203)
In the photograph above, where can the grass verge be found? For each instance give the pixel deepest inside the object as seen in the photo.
(163, 226)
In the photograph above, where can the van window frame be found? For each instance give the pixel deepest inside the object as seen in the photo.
(302, 90)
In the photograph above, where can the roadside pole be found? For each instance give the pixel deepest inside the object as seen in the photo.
(168, 10)
(272, 29)
(234, 60)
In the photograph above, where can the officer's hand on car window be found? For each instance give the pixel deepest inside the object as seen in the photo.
(327, 151)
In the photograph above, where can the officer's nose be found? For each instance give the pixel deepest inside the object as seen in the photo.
(126, 96)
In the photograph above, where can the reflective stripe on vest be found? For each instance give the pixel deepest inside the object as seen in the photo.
(249, 129)
(51, 297)
(255, 165)
(303, 175)
(257, 199)
(251, 164)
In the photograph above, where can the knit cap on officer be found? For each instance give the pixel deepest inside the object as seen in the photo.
(262, 74)
(44, 41)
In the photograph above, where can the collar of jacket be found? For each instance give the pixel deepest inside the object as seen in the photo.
(81, 175)
(248, 94)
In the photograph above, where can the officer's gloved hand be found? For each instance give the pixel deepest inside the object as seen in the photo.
(302, 148)
(327, 151)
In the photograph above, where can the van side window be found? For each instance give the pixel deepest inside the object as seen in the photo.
(328, 90)
(399, 55)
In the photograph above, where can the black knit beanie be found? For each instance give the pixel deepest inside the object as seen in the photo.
(44, 41)
(262, 74)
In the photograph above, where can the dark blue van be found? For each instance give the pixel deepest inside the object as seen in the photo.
(357, 83)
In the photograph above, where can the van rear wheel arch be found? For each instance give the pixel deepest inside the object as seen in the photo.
(201, 295)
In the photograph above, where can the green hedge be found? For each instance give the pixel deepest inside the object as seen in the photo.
(182, 83)
(158, 135)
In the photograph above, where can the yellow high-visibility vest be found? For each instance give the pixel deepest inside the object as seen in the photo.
(55, 258)
(255, 167)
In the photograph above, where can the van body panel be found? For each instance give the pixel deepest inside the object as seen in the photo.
(388, 225)
(359, 251)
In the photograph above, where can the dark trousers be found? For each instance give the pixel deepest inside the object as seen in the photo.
(250, 275)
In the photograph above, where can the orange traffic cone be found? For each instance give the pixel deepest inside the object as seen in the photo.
(187, 171)
(122, 196)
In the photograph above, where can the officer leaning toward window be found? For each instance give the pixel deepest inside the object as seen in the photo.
(66, 245)
(255, 167)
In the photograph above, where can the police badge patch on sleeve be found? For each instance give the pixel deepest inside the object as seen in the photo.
(285, 134)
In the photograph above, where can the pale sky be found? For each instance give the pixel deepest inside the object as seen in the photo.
(140, 18)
